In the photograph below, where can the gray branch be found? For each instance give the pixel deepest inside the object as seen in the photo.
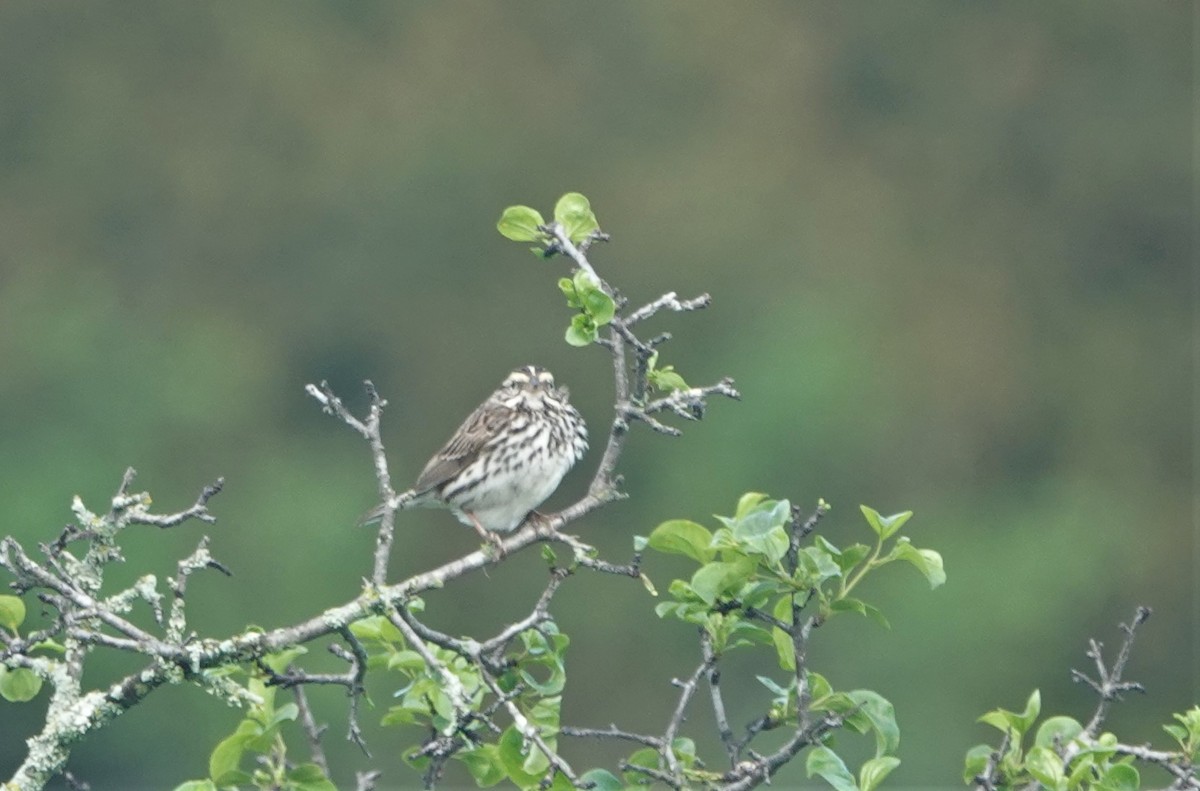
(1108, 684)
(84, 619)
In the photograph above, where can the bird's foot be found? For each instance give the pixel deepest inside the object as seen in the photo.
(494, 545)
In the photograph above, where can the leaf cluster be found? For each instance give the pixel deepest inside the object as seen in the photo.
(1062, 756)
(749, 565)
(759, 584)
(18, 684)
(573, 217)
(530, 674)
(259, 737)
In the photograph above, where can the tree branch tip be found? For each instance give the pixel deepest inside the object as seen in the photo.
(219, 566)
(316, 393)
(377, 401)
(1142, 615)
(212, 490)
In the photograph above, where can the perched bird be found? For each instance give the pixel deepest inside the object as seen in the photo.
(505, 459)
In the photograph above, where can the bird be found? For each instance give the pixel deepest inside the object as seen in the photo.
(507, 457)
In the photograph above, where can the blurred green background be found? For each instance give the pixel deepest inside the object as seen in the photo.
(950, 250)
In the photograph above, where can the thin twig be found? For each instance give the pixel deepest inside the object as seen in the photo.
(612, 732)
(312, 731)
(1109, 685)
(687, 690)
(987, 779)
(199, 509)
(718, 702)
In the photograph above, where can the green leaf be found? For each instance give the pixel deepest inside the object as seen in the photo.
(850, 604)
(50, 646)
(761, 529)
(574, 213)
(717, 578)
(548, 555)
(602, 780)
(406, 661)
(853, 555)
(927, 561)
(513, 759)
(666, 379)
(582, 331)
(872, 773)
(484, 764)
(817, 565)
(280, 660)
(685, 751)
(682, 537)
(227, 756)
(976, 762)
(747, 502)
(818, 685)
(370, 628)
(19, 685)
(776, 689)
(1047, 767)
(826, 763)
(545, 714)
(784, 648)
(1004, 720)
(882, 715)
(874, 519)
(599, 306)
(1121, 777)
(1187, 733)
(555, 681)
(1083, 768)
(12, 612)
(520, 223)
(885, 526)
(399, 715)
(309, 777)
(1057, 731)
(196, 785)
(567, 287)
(646, 757)
(762, 517)
(285, 713)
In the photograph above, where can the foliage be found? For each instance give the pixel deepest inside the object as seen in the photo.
(1066, 755)
(764, 579)
(585, 292)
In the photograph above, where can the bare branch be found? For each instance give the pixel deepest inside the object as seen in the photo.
(612, 732)
(669, 301)
(312, 731)
(369, 430)
(199, 509)
(687, 690)
(718, 702)
(365, 781)
(540, 614)
(1109, 685)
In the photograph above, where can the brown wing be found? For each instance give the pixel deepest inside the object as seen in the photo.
(483, 424)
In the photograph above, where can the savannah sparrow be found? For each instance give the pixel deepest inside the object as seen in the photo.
(505, 459)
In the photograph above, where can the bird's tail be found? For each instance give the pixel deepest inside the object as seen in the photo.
(405, 500)
(372, 516)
